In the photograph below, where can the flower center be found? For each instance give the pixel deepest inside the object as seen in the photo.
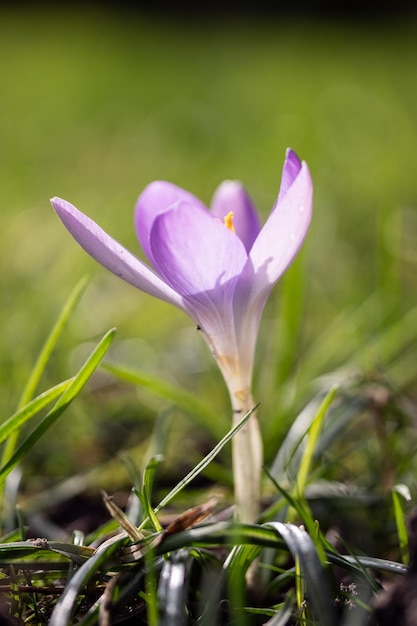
(228, 221)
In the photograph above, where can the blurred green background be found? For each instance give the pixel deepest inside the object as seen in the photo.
(97, 103)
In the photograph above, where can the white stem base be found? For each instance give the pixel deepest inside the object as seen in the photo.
(247, 462)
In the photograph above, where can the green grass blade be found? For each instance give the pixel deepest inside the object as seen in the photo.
(146, 493)
(312, 440)
(62, 614)
(266, 536)
(217, 534)
(299, 589)
(235, 569)
(289, 451)
(283, 616)
(172, 589)
(21, 550)
(239, 560)
(204, 462)
(43, 358)
(185, 400)
(32, 409)
(300, 506)
(399, 494)
(51, 341)
(370, 562)
(67, 397)
(303, 549)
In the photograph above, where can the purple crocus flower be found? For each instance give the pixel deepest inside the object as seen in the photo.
(217, 265)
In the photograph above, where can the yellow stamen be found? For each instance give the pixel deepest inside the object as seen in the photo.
(228, 221)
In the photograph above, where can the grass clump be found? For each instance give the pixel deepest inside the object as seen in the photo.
(171, 564)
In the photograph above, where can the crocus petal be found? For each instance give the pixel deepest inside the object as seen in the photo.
(248, 306)
(232, 196)
(283, 233)
(156, 198)
(274, 249)
(196, 254)
(112, 255)
(292, 166)
(201, 259)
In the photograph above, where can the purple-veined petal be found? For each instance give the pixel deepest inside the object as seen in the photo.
(247, 312)
(112, 255)
(201, 259)
(196, 254)
(292, 166)
(282, 234)
(273, 251)
(232, 196)
(156, 198)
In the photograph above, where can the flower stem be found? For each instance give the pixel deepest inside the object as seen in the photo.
(247, 460)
